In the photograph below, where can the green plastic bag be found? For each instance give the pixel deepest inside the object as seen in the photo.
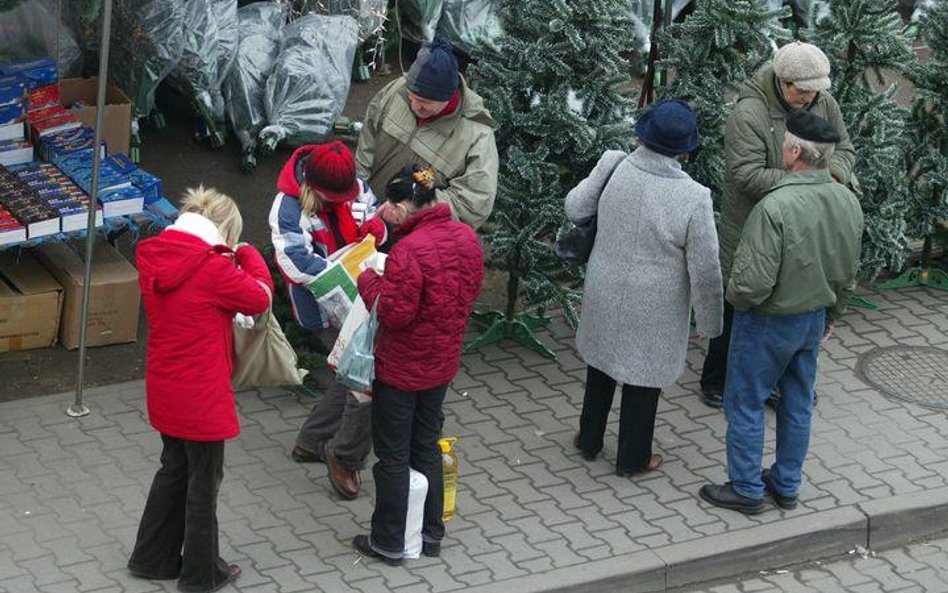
(356, 368)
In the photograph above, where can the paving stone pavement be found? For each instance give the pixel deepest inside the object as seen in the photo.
(917, 568)
(529, 507)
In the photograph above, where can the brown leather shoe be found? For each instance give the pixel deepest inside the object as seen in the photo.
(344, 481)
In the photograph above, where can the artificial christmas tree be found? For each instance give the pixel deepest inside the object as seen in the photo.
(717, 47)
(863, 38)
(928, 152)
(553, 84)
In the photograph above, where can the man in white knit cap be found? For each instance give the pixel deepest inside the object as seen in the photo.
(798, 78)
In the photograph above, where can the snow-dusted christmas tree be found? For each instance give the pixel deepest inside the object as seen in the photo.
(864, 40)
(553, 84)
(706, 57)
(928, 151)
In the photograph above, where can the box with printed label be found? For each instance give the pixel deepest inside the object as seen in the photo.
(117, 118)
(30, 303)
(114, 296)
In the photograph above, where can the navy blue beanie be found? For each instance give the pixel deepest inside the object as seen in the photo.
(434, 73)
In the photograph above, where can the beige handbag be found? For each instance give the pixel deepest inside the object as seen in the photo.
(263, 357)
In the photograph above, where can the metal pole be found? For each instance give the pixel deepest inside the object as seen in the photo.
(78, 409)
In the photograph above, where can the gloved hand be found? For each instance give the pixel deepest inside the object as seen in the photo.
(244, 321)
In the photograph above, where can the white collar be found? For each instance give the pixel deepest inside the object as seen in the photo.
(201, 227)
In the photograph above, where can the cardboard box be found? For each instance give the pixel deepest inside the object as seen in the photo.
(117, 120)
(30, 303)
(113, 300)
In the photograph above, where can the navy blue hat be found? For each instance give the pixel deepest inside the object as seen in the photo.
(809, 126)
(669, 128)
(434, 73)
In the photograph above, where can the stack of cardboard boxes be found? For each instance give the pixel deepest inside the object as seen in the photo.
(41, 297)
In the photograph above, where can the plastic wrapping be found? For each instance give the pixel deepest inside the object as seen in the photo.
(469, 24)
(147, 43)
(419, 18)
(309, 83)
(31, 29)
(196, 75)
(261, 33)
(228, 36)
(370, 14)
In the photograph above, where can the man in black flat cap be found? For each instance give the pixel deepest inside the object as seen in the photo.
(795, 264)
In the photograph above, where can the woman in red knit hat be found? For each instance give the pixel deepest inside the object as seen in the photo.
(321, 207)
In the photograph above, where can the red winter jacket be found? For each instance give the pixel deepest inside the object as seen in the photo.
(432, 276)
(192, 291)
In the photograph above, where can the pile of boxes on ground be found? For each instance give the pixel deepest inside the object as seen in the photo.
(38, 199)
(46, 151)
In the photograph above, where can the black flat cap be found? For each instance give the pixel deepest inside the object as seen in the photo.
(808, 126)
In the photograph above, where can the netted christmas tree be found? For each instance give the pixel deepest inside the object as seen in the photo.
(553, 85)
(707, 57)
(928, 152)
(865, 40)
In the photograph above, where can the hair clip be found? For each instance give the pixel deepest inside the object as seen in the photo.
(425, 177)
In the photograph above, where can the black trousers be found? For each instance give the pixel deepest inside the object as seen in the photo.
(636, 419)
(406, 426)
(715, 361)
(178, 536)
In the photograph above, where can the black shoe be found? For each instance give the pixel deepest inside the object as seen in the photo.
(431, 549)
(301, 455)
(361, 545)
(712, 396)
(584, 453)
(773, 400)
(234, 573)
(724, 496)
(787, 503)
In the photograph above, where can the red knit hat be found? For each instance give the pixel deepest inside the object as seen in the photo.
(330, 170)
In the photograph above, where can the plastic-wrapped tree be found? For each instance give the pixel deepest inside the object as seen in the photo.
(261, 34)
(708, 56)
(147, 43)
(553, 86)
(863, 39)
(928, 152)
(309, 83)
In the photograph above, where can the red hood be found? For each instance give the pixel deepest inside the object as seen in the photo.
(292, 172)
(166, 261)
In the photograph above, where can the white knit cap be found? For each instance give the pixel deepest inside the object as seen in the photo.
(803, 64)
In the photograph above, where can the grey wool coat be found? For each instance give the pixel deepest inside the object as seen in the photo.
(655, 256)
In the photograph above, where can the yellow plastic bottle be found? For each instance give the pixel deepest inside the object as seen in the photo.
(449, 462)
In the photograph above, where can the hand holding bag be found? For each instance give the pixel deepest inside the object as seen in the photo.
(356, 368)
(263, 357)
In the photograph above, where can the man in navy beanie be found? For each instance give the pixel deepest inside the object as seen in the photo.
(431, 117)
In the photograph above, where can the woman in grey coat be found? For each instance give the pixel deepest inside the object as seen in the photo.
(655, 256)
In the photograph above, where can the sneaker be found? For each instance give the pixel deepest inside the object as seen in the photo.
(361, 545)
(787, 503)
(724, 496)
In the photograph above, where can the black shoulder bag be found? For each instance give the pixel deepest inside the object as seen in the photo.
(575, 245)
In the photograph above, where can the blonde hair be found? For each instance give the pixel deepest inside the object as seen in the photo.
(310, 200)
(217, 207)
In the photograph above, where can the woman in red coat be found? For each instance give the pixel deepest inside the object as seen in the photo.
(194, 278)
(432, 276)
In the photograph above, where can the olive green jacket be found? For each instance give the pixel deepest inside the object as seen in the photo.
(800, 248)
(753, 152)
(460, 147)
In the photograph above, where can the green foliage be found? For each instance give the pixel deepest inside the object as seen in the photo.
(929, 127)
(708, 56)
(553, 85)
(864, 38)
(8, 5)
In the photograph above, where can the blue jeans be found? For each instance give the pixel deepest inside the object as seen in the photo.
(768, 351)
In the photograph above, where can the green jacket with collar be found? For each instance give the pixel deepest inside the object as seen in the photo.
(460, 147)
(753, 141)
(800, 248)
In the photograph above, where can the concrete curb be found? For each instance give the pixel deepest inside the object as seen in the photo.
(895, 520)
(796, 539)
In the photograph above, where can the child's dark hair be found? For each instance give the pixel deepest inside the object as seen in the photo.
(413, 184)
